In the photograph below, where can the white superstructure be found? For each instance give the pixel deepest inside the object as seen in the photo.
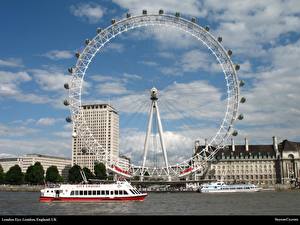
(222, 187)
(118, 191)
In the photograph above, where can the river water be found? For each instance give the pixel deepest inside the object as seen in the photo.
(259, 203)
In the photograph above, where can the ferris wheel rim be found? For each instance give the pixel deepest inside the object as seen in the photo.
(85, 59)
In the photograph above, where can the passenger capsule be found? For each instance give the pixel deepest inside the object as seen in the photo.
(99, 30)
(160, 12)
(66, 102)
(207, 28)
(229, 52)
(77, 54)
(241, 116)
(128, 15)
(237, 67)
(87, 41)
(220, 39)
(193, 20)
(243, 100)
(84, 150)
(242, 83)
(70, 70)
(66, 86)
(235, 133)
(68, 119)
(177, 14)
(113, 21)
(144, 12)
(74, 135)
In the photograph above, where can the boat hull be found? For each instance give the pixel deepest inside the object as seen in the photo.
(91, 199)
(227, 191)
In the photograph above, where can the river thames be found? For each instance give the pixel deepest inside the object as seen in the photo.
(259, 203)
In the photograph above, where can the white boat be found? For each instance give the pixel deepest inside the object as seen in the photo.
(221, 187)
(118, 191)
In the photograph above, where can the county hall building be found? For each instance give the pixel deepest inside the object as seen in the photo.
(278, 163)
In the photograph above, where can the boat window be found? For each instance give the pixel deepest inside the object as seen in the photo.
(72, 192)
(89, 192)
(121, 192)
(76, 192)
(116, 192)
(84, 192)
(111, 192)
(107, 192)
(80, 192)
(98, 192)
(125, 192)
(94, 192)
(102, 192)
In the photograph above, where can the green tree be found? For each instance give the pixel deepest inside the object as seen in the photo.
(14, 175)
(88, 173)
(100, 171)
(74, 175)
(35, 174)
(1, 175)
(52, 175)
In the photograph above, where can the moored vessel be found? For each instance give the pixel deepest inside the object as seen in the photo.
(221, 187)
(118, 191)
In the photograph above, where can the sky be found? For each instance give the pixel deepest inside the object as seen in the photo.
(39, 40)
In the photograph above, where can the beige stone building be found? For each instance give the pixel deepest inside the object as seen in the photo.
(103, 121)
(63, 164)
(257, 164)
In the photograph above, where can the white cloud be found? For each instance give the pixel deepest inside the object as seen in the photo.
(190, 7)
(149, 63)
(114, 47)
(193, 61)
(10, 87)
(273, 101)
(59, 54)
(113, 88)
(128, 76)
(90, 12)
(7, 155)
(50, 80)
(12, 62)
(46, 121)
(20, 131)
(55, 147)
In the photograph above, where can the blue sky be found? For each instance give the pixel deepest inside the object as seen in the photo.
(39, 39)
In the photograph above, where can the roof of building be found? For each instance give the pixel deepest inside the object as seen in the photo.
(8, 159)
(46, 156)
(289, 146)
(256, 149)
(98, 105)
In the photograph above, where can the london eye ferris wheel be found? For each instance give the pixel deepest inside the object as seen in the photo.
(199, 160)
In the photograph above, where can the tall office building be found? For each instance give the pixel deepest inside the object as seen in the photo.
(103, 122)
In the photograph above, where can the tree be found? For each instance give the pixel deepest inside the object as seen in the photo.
(1, 175)
(88, 173)
(35, 174)
(74, 175)
(14, 175)
(52, 175)
(100, 171)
